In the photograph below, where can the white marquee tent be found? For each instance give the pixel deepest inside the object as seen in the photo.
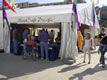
(51, 14)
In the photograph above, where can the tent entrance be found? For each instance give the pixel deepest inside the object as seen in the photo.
(34, 29)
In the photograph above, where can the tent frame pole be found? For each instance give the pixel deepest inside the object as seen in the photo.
(3, 25)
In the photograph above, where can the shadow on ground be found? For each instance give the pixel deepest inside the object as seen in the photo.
(71, 68)
(3, 79)
(89, 71)
(14, 66)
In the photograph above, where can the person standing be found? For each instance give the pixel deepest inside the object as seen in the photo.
(25, 34)
(101, 35)
(87, 47)
(80, 40)
(51, 35)
(33, 36)
(43, 38)
(103, 46)
(25, 39)
(103, 49)
(15, 41)
(58, 39)
(47, 31)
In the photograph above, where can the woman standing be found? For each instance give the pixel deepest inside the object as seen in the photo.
(80, 41)
(87, 47)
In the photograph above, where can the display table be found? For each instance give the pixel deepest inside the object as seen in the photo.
(53, 51)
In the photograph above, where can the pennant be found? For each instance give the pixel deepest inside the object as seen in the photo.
(7, 5)
(13, 3)
(99, 13)
(5, 17)
(74, 2)
(99, 17)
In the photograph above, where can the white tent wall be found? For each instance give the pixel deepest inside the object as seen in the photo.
(85, 16)
(1, 32)
(69, 42)
(1, 35)
(66, 41)
(74, 38)
(6, 38)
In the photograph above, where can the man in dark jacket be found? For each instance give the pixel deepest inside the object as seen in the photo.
(43, 38)
(103, 49)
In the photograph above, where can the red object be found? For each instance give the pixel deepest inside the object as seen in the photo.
(6, 4)
(31, 42)
(101, 62)
(103, 66)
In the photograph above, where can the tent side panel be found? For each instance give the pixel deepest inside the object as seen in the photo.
(1, 35)
(68, 42)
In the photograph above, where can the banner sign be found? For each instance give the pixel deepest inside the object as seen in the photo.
(35, 20)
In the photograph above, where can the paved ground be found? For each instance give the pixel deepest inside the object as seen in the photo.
(15, 68)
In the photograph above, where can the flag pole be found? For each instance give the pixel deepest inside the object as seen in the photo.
(3, 24)
(3, 15)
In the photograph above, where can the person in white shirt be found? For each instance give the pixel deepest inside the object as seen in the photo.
(87, 47)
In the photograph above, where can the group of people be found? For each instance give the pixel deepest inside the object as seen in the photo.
(85, 45)
(28, 40)
(44, 38)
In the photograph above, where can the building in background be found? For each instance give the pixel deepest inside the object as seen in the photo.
(78, 1)
(103, 16)
(26, 5)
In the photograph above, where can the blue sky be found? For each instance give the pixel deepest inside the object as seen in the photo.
(100, 3)
(39, 1)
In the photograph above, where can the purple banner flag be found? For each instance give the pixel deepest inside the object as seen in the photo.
(93, 15)
(5, 17)
(74, 2)
(93, 21)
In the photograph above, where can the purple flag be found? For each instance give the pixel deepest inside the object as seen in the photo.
(93, 16)
(5, 17)
(76, 14)
(93, 21)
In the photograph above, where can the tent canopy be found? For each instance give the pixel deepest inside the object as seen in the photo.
(52, 14)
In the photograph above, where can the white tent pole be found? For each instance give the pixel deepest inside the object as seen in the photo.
(3, 24)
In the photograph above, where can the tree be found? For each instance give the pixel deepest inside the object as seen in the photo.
(104, 24)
